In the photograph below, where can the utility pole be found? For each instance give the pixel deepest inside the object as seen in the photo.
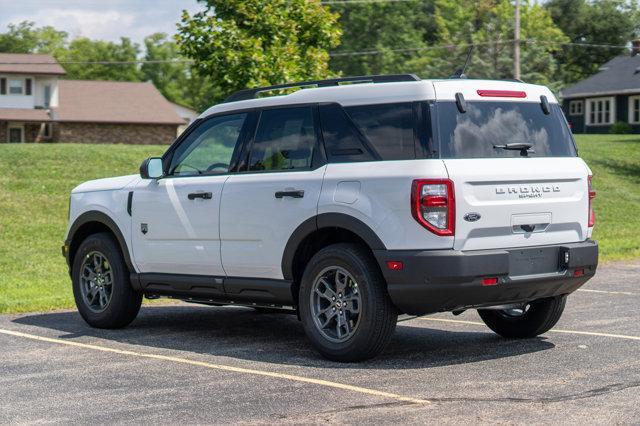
(516, 44)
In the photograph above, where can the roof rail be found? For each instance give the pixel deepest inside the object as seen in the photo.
(245, 94)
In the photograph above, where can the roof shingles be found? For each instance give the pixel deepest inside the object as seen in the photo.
(27, 63)
(619, 75)
(113, 102)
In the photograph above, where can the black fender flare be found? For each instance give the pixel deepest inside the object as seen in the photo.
(326, 220)
(104, 219)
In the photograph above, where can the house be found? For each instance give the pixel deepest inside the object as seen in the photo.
(186, 113)
(37, 105)
(612, 95)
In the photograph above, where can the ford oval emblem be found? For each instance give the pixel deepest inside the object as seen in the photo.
(472, 217)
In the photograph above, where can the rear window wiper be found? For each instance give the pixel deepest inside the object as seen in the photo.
(524, 147)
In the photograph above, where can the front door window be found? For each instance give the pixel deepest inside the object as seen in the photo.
(15, 134)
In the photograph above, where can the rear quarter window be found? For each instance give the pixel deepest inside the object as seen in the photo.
(478, 132)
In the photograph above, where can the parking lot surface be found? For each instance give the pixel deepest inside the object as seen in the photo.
(197, 364)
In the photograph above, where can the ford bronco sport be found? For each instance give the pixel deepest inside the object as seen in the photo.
(350, 201)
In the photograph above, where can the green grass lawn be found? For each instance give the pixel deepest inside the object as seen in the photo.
(36, 180)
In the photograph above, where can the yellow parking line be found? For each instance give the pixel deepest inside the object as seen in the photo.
(270, 374)
(623, 293)
(554, 330)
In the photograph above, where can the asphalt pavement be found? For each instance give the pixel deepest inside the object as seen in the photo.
(196, 364)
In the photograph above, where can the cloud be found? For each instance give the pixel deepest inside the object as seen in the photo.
(104, 20)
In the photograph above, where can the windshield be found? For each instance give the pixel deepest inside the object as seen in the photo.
(500, 129)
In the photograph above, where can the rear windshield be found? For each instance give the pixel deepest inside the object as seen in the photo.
(486, 127)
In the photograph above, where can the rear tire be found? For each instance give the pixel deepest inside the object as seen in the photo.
(343, 280)
(539, 318)
(101, 286)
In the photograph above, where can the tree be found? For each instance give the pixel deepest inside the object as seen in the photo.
(26, 38)
(386, 36)
(613, 22)
(86, 50)
(488, 24)
(248, 43)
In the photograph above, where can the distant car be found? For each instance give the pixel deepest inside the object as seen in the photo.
(350, 204)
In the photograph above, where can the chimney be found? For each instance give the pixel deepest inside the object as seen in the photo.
(635, 47)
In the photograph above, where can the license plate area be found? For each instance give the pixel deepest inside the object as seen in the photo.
(532, 261)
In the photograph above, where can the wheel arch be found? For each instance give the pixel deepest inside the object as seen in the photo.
(332, 222)
(93, 222)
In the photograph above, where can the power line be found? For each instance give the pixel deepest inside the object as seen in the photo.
(343, 53)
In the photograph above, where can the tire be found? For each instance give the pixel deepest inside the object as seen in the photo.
(122, 302)
(370, 327)
(539, 318)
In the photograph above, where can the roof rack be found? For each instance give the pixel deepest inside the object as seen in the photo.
(245, 94)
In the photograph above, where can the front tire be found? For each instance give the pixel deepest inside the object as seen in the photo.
(101, 286)
(344, 306)
(534, 319)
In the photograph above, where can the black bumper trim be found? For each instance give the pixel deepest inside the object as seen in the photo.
(446, 280)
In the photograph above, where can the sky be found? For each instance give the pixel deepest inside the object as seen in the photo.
(99, 19)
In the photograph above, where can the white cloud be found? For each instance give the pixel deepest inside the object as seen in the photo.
(98, 19)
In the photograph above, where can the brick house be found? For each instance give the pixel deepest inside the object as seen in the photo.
(36, 105)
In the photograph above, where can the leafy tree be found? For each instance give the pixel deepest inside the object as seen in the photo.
(488, 24)
(24, 37)
(378, 31)
(247, 43)
(613, 22)
(86, 50)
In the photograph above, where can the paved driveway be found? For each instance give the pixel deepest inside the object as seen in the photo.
(192, 364)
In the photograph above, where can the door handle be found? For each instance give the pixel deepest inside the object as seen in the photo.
(203, 195)
(296, 193)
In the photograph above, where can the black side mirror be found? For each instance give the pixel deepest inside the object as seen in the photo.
(544, 104)
(151, 168)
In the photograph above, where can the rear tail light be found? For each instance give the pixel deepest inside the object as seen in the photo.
(433, 205)
(592, 195)
(490, 281)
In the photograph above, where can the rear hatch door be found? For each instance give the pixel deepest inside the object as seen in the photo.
(518, 181)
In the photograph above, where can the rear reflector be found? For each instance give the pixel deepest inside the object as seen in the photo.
(592, 195)
(502, 93)
(578, 272)
(395, 265)
(490, 281)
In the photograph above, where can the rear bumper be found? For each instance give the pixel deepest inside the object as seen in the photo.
(446, 280)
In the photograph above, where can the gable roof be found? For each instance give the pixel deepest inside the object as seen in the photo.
(113, 102)
(27, 63)
(619, 75)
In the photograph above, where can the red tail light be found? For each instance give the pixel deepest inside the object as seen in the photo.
(433, 205)
(592, 195)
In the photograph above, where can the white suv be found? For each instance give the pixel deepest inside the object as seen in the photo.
(350, 201)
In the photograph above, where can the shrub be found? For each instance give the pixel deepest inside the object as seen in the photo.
(620, 128)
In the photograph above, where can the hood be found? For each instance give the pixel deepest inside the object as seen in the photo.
(107, 184)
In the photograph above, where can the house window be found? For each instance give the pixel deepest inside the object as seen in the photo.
(47, 96)
(600, 111)
(634, 109)
(16, 86)
(15, 134)
(575, 107)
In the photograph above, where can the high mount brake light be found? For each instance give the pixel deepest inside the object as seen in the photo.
(502, 93)
(433, 205)
(592, 195)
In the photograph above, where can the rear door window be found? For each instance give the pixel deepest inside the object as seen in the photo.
(486, 127)
(285, 140)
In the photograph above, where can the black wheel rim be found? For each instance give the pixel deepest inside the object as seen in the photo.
(96, 281)
(335, 304)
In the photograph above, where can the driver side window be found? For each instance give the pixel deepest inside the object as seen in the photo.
(209, 148)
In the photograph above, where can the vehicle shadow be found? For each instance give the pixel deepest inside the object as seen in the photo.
(243, 333)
